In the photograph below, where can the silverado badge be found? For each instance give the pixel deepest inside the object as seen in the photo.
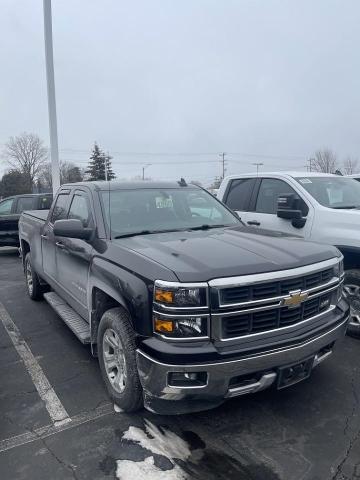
(295, 298)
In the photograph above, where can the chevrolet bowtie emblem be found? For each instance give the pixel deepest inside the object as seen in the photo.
(295, 298)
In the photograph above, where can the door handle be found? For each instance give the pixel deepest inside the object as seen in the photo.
(45, 237)
(60, 245)
(253, 222)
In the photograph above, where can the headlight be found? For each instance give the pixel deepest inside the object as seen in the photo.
(339, 269)
(178, 296)
(181, 327)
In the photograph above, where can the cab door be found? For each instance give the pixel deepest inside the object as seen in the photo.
(73, 256)
(263, 208)
(58, 212)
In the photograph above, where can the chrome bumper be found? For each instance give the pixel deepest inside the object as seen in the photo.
(154, 375)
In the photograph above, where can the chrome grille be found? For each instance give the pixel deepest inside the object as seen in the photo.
(261, 304)
(233, 295)
(244, 324)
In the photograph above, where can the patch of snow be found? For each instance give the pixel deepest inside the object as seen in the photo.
(163, 442)
(158, 441)
(147, 470)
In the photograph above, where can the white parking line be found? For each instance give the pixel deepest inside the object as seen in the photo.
(56, 410)
(49, 430)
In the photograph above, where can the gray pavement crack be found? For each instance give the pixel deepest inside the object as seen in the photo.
(355, 437)
(50, 450)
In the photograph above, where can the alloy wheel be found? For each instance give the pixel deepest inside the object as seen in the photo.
(29, 278)
(114, 360)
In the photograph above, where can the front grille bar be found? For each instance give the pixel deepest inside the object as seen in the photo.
(276, 302)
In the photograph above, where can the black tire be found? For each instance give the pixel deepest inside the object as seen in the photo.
(33, 286)
(115, 325)
(352, 294)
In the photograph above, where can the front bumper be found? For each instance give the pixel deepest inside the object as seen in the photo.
(227, 379)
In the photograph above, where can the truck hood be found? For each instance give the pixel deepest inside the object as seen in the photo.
(196, 256)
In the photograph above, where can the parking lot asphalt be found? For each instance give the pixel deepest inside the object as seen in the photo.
(310, 431)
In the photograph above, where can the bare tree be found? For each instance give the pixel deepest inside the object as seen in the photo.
(27, 154)
(69, 173)
(324, 161)
(351, 165)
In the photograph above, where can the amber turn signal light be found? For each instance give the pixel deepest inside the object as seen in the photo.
(162, 326)
(164, 296)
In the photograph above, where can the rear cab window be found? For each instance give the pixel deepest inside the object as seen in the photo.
(238, 194)
(25, 203)
(44, 203)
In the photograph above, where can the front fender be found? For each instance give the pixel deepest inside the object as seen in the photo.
(126, 288)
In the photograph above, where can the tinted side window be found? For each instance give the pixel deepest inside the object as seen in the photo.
(79, 210)
(5, 206)
(25, 203)
(44, 203)
(239, 193)
(60, 211)
(269, 191)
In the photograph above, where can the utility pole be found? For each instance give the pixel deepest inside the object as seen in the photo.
(54, 149)
(257, 167)
(143, 170)
(223, 161)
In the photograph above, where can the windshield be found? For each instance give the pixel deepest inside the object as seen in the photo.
(333, 192)
(150, 210)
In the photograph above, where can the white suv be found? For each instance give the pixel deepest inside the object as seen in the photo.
(316, 206)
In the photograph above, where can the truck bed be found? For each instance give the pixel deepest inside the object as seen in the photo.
(38, 214)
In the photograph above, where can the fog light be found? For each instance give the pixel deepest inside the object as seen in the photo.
(163, 326)
(187, 379)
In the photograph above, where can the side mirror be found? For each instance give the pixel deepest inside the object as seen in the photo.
(289, 209)
(72, 228)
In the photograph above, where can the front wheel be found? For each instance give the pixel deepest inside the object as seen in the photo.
(352, 294)
(117, 359)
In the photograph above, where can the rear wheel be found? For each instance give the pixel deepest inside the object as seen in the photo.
(352, 294)
(117, 359)
(33, 286)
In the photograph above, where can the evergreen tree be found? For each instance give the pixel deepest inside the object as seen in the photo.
(14, 182)
(110, 173)
(98, 162)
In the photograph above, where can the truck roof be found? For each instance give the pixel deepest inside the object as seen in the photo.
(127, 185)
(293, 174)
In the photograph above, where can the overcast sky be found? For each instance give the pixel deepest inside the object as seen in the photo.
(266, 81)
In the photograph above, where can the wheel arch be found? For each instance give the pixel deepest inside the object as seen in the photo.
(351, 257)
(25, 249)
(103, 298)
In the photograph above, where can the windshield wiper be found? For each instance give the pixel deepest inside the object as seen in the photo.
(207, 226)
(147, 232)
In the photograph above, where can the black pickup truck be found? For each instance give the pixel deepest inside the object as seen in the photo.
(184, 305)
(10, 211)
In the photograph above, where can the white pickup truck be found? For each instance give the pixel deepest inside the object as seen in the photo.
(320, 207)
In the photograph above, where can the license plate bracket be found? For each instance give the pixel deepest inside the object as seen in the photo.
(294, 373)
